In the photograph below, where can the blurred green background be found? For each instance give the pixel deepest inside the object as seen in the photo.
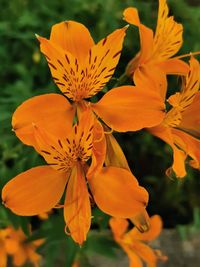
(24, 73)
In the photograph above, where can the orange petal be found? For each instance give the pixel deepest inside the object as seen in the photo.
(67, 72)
(11, 245)
(3, 256)
(154, 230)
(168, 36)
(20, 257)
(116, 192)
(34, 191)
(69, 35)
(102, 61)
(146, 35)
(77, 210)
(33, 256)
(190, 86)
(145, 253)
(118, 226)
(179, 156)
(98, 150)
(190, 145)
(77, 145)
(151, 77)
(174, 66)
(191, 117)
(49, 111)
(141, 221)
(78, 80)
(131, 16)
(128, 108)
(115, 156)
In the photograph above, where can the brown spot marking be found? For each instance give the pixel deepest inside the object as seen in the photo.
(118, 53)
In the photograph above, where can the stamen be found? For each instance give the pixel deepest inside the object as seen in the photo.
(59, 206)
(188, 55)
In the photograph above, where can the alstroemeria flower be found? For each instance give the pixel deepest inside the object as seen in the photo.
(181, 125)
(154, 59)
(13, 242)
(115, 190)
(135, 244)
(81, 68)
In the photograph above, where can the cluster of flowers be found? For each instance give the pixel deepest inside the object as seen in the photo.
(13, 243)
(74, 135)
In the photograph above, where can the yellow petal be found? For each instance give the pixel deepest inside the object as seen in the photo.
(116, 192)
(49, 111)
(168, 36)
(66, 70)
(77, 211)
(82, 79)
(34, 191)
(129, 108)
(102, 61)
(69, 35)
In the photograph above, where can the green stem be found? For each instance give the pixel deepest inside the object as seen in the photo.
(122, 79)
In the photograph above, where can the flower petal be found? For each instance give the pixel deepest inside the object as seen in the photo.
(3, 256)
(145, 253)
(174, 66)
(102, 61)
(77, 211)
(179, 156)
(191, 118)
(154, 230)
(49, 111)
(118, 226)
(115, 156)
(20, 257)
(190, 145)
(129, 108)
(78, 80)
(146, 37)
(98, 150)
(116, 192)
(34, 191)
(151, 77)
(69, 35)
(168, 36)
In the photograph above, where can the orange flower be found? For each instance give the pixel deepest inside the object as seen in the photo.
(154, 59)
(115, 190)
(134, 243)
(80, 72)
(181, 125)
(45, 215)
(13, 242)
